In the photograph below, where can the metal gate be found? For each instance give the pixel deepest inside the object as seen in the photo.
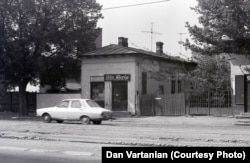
(210, 103)
(163, 105)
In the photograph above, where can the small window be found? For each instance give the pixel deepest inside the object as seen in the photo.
(179, 86)
(76, 104)
(63, 104)
(173, 85)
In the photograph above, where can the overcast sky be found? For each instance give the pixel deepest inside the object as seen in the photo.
(168, 19)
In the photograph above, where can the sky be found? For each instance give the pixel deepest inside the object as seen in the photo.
(168, 18)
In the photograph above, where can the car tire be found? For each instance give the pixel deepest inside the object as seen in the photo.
(97, 122)
(59, 121)
(85, 120)
(46, 118)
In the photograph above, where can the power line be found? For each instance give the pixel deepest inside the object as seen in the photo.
(140, 4)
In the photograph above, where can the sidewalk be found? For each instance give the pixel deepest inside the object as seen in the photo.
(15, 116)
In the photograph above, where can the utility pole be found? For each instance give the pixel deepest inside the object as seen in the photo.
(180, 42)
(152, 33)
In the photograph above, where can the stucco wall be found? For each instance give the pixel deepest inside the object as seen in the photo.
(101, 66)
(160, 73)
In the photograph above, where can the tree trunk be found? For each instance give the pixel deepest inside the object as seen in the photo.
(23, 109)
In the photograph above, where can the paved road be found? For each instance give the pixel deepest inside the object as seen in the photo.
(30, 151)
(25, 157)
(146, 131)
(84, 142)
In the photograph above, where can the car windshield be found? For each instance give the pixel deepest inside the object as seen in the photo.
(92, 103)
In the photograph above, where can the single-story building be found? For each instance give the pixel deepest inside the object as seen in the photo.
(117, 76)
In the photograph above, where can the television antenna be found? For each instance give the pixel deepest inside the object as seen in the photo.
(180, 42)
(152, 33)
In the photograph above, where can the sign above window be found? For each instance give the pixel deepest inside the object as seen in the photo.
(117, 77)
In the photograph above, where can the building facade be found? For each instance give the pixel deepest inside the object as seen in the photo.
(117, 76)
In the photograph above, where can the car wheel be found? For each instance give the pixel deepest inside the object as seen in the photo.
(85, 120)
(59, 121)
(97, 122)
(47, 118)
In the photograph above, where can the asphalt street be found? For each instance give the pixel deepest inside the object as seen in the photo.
(70, 142)
(28, 151)
(24, 157)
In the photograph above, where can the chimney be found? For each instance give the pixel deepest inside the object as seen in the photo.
(98, 41)
(122, 41)
(159, 47)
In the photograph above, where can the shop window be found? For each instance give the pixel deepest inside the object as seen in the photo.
(144, 83)
(97, 92)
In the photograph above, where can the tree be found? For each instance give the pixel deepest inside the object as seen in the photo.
(211, 75)
(57, 70)
(33, 31)
(220, 18)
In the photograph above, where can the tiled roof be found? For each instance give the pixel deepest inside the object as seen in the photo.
(237, 59)
(121, 50)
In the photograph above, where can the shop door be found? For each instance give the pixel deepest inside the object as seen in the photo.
(120, 96)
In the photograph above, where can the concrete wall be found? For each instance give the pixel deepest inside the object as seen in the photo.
(237, 109)
(213, 111)
(234, 110)
(49, 100)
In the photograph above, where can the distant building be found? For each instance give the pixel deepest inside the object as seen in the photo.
(240, 82)
(117, 76)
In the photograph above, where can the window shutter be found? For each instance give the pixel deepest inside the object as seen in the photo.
(239, 89)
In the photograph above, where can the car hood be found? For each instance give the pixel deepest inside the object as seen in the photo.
(94, 108)
(42, 109)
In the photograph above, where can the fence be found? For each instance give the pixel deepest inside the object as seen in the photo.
(147, 105)
(210, 103)
(9, 102)
(163, 105)
(170, 105)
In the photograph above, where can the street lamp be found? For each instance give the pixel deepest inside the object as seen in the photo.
(228, 49)
(226, 38)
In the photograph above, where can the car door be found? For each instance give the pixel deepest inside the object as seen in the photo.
(75, 109)
(60, 111)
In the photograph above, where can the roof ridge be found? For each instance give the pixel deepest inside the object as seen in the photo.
(113, 49)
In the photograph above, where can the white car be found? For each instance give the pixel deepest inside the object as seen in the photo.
(85, 110)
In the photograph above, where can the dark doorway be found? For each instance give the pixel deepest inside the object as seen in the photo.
(120, 96)
(247, 93)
